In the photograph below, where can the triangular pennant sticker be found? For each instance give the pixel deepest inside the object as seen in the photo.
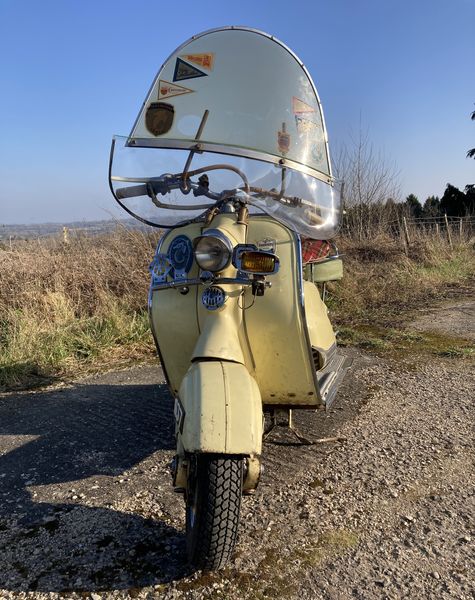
(185, 71)
(168, 90)
(299, 106)
(205, 60)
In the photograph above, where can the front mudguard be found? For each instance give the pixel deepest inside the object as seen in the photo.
(221, 410)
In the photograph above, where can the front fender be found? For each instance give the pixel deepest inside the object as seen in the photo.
(222, 409)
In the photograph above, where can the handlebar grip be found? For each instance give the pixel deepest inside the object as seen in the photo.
(131, 191)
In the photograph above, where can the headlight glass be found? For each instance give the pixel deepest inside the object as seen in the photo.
(213, 253)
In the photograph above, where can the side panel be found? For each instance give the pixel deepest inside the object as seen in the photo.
(174, 319)
(320, 329)
(222, 409)
(284, 369)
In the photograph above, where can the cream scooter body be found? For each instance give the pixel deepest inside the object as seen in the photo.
(229, 154)
(224, 366)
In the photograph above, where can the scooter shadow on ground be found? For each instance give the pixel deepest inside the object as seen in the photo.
(67, 436)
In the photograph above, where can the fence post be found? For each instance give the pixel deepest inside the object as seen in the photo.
(461, 228)
(449, 236)
(437, 229)
(406, 232)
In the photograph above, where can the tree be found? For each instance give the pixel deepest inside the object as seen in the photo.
(369, 177)
(413, 206)
(453, 202)
(431, 207)
(471, 152)
(470, 199)
(369, 181)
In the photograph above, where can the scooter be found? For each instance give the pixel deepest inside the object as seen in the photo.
(229, 156)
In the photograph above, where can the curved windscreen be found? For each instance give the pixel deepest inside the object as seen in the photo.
(241, 92)
(148, 183)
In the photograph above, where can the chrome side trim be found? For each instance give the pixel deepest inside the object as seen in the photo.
(303, 316)
(331, 376)
(152, 329)
(181, 283)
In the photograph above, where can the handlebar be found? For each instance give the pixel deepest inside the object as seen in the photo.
(132, 191)
(168, 182)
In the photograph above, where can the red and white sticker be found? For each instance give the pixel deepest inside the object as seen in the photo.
(168, 90)
(205, 60)
(299, 106)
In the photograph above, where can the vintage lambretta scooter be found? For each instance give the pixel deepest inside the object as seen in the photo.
(229, 153)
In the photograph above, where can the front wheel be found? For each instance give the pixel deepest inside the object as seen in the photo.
(212, 509)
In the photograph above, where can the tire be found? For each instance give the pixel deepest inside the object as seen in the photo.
(213, 503)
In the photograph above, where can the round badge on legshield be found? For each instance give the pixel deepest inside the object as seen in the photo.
(180, 254)
(213, 298)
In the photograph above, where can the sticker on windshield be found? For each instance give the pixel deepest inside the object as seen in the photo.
(185, 71)
(305, 125)
(168, 90)
(283, 140)
(159, 118)
(299, 106)
(205, 60)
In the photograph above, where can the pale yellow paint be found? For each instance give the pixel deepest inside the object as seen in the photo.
(319, 328)
(266, 337)
(330, 270)
(223, 409)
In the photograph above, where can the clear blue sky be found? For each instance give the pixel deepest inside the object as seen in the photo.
(74, 72)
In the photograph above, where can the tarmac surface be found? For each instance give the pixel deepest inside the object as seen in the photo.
(87, 508)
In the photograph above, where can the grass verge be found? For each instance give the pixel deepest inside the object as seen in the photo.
(384, 289)
(69, 309)
(72, 308)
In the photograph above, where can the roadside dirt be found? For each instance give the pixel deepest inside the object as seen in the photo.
(87, 510)
(452, 318)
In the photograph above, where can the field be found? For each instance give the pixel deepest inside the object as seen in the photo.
(76, 305)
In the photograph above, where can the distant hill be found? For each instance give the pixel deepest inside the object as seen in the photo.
(36, 230)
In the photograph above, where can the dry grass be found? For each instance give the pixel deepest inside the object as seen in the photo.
(383, 280)
(386, 283)
(67, 308)
(64, 307)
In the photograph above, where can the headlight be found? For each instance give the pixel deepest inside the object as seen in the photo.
(213, 251)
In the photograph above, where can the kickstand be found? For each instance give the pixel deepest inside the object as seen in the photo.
(283, 418)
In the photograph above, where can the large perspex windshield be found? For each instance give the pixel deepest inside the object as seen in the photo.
(239, 97)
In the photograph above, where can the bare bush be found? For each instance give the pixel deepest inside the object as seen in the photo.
(371, 187)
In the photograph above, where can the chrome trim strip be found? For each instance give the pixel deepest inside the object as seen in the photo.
(251, 30)
(230, 151)
(152, 329)
(177, 284)
(300, 281)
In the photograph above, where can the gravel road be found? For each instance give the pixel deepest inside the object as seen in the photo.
(87, 510)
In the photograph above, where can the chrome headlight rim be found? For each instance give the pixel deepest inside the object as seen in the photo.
(223, 249)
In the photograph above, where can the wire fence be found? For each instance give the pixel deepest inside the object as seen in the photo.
(367, 224)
